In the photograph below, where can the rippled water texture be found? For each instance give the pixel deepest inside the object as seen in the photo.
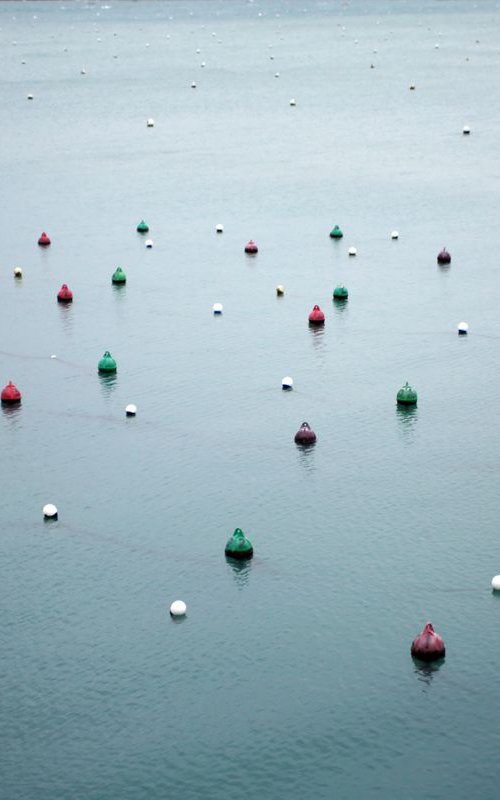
(291, 675)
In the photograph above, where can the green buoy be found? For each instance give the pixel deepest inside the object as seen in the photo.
(238, 546)
(407, 395)
(142, 227)
(107, 363)
(118, 276)
(336, 233)
(340, 293)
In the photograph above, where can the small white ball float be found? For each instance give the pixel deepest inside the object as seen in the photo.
(293, 101)
(353, 251)
(287, 383)
(30, 97)
(149, 243)
(276, 74)
(83, 72)
(203, 64)
(394, 235)
(18, 273)
(217, 308)
(50, 511)
(130, 410)
(219, 228)
(193, 85)
(280, 290)
(495, 583)
(466, 130)
(178, 609)
(462, 328)
(150, 123)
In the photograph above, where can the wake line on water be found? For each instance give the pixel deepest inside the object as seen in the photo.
(25, 357)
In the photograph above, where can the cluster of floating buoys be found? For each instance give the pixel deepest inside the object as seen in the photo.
(428, 645)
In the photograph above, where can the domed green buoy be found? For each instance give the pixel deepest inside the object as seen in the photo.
(118, 276)
(107, 363)
(407, 395)
(340, 293)
(336, 233)
(238, 546)
(142, 227)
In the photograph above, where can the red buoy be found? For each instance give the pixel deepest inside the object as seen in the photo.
(444, 257)
(44, 240)
(64, 295)
(10, 394)
(316, 317)
(428, 646)
(305, 435)
(251, 247)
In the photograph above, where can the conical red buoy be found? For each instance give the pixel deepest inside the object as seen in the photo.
(251, 247)
(10, 394)
(44, 240)
(64, 295)
(317, 317)
(428, 646)
(305, 435)
(444, 257)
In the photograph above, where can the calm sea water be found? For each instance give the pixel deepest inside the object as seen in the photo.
(291, 675)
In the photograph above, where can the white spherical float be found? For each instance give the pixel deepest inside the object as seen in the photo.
(287, 383)
(18, 273)
(217, 308)
(50, 511)
(353, 251)
(148, 243)
(394, 235)
(130, 410)
(495, 583)
(178, 609)
(193, 85)
(293, 102)
(280, 290)
(462, 328)
(219, 228)
(30, 97)
(466, 130)
(150, 123)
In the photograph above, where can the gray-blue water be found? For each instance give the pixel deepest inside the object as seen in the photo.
(290, 676)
